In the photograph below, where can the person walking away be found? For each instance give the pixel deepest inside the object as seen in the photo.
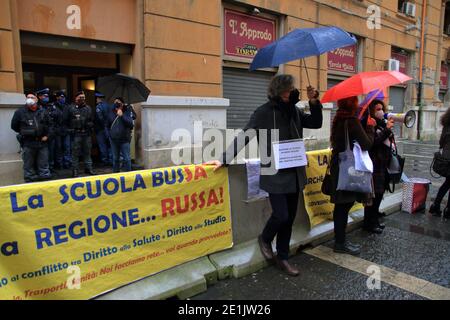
(101, 130)
(346, 119)
(381, 154)
(63, 141)
(79, 118)
(121, 123)
(285, 185)
(31, 123)
(444, 144)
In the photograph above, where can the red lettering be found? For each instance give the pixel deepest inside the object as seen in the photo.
(168, 206)
(200, 172)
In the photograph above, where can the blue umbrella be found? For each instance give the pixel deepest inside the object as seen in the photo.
(302, 43)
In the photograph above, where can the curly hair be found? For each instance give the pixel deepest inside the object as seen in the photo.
(280, 84)
(445, 119)
(373, 104)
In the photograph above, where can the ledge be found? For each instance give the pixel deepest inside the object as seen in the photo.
(11, 98)
(173, 101)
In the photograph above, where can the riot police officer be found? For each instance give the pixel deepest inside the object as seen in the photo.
(63, 149)
(101, 129)
(55, 121)
(79, 118)
(31, 123)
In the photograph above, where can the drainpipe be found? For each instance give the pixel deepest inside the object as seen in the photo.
(422, 53)
(437, 77)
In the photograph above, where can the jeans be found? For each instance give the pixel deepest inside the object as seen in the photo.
(340, 217)
(442, 192)
(284, 208)
(35, 158)
(120, 148)
(104, 147)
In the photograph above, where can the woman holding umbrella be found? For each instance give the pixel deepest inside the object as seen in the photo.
(344, 120)
(283, 186)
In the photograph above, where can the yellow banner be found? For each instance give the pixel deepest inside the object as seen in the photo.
(78, 238)
(318, 205)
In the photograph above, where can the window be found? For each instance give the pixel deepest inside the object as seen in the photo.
(447, 19)
(400, 5)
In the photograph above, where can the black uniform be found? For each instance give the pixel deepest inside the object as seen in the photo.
(55, 117)
(63, 150)
(32, 126)
(80, 121)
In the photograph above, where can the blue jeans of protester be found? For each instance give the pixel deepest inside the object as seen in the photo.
(120, 148)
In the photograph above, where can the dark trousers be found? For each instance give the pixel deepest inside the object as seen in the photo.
(51, 152)
(35, 157)
(371, 213)
(81, 146)
(284, 208)
(119, 149)
(442, 192)
(340, 217)
(63, 151)
(104, 147)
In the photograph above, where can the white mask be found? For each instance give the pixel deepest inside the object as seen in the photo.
(379, 115)
(30, 102)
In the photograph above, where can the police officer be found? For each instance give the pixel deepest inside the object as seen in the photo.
(55, 121)
(31, 123)
(79, 118)
(63, 149)
(101, 129)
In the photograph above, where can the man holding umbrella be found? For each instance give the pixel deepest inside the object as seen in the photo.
(284, 186)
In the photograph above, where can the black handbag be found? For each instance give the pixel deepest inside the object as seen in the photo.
(440, 165)
(395, 168)
(326, 183)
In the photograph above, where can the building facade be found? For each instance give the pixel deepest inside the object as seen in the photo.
(203, 48)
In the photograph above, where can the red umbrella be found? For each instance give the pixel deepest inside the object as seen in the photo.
(364, 83)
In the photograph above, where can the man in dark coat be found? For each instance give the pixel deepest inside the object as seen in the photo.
(101, 129)
(55, 121)
(80, 120)
(120, 124)
(283, 186)
(63, 146)
(31, 123)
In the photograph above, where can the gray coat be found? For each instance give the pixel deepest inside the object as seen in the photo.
(290, 121)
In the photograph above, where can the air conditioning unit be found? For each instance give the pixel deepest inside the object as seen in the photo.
(392, 65)
(409, 9)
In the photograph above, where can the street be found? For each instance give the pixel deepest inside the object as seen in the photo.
(412, 254)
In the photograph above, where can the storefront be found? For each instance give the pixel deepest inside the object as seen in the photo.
(397, 94)
(68, 46)
(342, 64)
(244, 35)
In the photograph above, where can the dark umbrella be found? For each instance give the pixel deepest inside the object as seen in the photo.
(132, 90)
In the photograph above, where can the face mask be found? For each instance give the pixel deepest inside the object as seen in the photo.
(62, 100)
(45, 100)
(30, 102)
(379, 115)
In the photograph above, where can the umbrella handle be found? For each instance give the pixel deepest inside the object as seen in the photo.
(307, 73)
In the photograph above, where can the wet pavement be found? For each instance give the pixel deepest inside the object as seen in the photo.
(416, 246)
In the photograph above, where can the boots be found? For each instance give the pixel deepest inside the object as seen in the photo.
(348, 248)
(266, 249)
(435, 210)
(287, 268)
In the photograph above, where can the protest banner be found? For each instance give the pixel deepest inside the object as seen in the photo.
(318, 205)
(78, 238)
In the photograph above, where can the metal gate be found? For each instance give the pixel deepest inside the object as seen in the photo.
(246, 91)
(397, 100)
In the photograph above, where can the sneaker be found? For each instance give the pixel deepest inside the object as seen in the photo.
(346, 248)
